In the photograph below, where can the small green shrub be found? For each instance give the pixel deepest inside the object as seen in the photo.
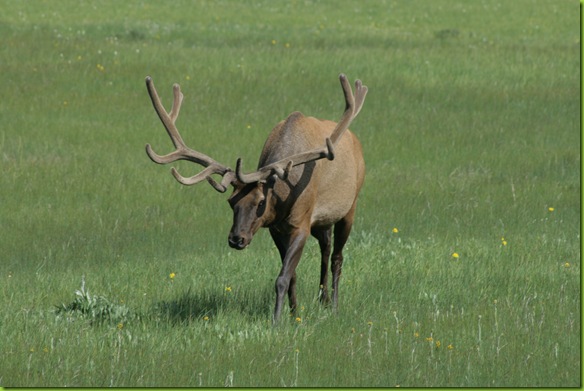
(97, 309)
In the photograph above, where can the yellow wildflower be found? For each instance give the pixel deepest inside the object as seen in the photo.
(227, 289)
(172, 275)
(395, 230)
(455, 255)
(551, 209)
(450, 347)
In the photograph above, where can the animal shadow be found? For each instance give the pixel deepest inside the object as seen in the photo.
(193, 306)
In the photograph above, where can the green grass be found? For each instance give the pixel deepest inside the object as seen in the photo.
(471, 133)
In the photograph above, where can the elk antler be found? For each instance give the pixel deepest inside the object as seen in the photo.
(282, 167)
(183, 152)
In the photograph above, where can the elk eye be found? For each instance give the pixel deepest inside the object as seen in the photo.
(262, 203)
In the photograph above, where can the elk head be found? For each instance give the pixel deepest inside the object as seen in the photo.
(252, 201)
(253, 208)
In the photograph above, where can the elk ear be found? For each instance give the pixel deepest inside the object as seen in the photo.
(271, 181)
(267, 185)
(237, 184)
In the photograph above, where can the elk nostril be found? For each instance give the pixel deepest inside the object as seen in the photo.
(237, 242)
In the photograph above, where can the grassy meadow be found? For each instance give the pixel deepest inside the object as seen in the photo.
(464, 264)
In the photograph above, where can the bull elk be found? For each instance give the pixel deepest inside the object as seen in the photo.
(309, 175)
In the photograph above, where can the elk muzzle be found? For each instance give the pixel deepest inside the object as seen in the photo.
(238, 241)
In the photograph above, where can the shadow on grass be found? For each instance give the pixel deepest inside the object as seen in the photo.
(191, 306)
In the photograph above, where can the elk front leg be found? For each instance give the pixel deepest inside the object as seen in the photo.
(282, 245)
(324, 241)
(291, 248)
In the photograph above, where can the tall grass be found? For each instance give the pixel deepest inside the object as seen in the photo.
(463, 268)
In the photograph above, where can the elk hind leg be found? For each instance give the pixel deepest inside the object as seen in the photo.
(342, 230)
(324, 240)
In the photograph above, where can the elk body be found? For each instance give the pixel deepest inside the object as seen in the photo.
(308, 177)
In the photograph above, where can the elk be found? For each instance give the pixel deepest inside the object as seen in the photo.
(307, 180)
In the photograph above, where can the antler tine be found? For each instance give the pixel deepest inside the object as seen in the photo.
(183, 152)
(352, 107)
(168, 120)
(247, 178)
(176, 104)
(282, 167)
(360, 93)
(221, 187)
